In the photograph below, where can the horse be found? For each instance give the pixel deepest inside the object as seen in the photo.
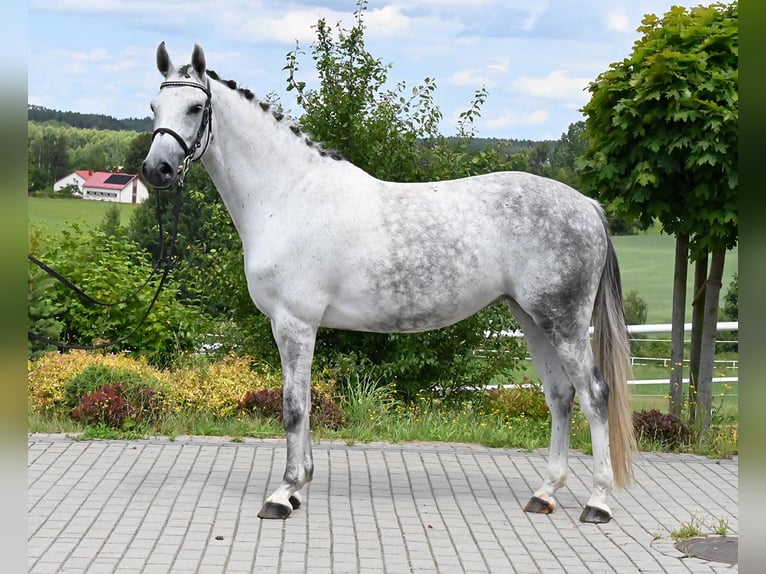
(328, 245)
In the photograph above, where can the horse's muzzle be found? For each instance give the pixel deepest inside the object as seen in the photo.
(161, 176)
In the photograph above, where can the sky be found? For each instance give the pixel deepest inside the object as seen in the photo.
(534, 57)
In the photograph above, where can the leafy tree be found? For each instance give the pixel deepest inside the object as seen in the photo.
(392, 134)
(662, 131)
(136, 152)
(47, 153)
(375, 128)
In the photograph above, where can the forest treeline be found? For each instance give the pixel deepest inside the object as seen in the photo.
(42, 114)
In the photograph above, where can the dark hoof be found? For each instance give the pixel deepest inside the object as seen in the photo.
(275, 511)
(594, 515)
(295, 502)
(539, 506)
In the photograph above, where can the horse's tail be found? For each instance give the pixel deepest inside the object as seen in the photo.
(612, 351)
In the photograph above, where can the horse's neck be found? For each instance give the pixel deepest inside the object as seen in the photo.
(254, 159)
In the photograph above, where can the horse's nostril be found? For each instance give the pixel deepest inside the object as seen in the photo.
(165, 170)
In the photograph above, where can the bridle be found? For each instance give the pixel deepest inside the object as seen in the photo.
(206, 123)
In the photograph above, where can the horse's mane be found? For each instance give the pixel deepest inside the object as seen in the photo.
(277, 115)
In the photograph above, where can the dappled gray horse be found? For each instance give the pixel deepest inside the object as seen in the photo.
(328, 245)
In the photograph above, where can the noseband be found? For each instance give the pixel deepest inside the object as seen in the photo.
(207, 122)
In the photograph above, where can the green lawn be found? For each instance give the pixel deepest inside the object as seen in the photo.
(646, 264)
(53, 215)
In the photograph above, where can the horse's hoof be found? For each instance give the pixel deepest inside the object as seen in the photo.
(539, 506)
(274, 510)
(295, 502)
(594, 515)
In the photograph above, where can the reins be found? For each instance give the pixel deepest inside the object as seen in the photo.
(165, 260)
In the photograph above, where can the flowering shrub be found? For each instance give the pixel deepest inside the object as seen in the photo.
(664, 428)
(57, 382)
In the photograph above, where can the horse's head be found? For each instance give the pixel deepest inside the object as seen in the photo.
(182, 119)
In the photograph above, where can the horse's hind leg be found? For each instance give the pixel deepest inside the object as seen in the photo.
(559, 395)
(296, 342)
(567, 367)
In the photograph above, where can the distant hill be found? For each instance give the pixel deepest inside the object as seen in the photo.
(88, 121)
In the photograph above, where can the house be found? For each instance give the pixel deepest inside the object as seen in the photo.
(105, 186)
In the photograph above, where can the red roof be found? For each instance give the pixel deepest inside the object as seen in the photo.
(105, 179)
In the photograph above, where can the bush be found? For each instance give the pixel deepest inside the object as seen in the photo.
(112, 405)
(526, 400)
(98, 376)
(636, 308)
(48, 375)
(111, 269)
(664, 428)
(216, 387)
(267, 403)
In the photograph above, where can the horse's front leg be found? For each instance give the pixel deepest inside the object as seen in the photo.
(295, 340)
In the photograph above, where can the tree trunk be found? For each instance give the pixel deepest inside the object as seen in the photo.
(677, 328)
(709, 331)
(698, 317)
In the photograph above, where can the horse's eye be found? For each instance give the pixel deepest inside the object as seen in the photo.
(195, 109)
(151, 107)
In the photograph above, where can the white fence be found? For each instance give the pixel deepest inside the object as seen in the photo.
(722, 326)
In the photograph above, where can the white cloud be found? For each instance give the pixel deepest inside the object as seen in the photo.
(555, 86)
(511, 119)
(94, 55)
(618, 23)
(387, 22)
(482, 76)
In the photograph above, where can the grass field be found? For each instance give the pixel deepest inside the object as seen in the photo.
(646, 264)
(53, 215)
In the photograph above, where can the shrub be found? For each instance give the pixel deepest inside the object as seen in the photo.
(113, 406)
(636, 308)
(108, 268)
(97, 376)
(267, 403)
(48, 375)
(217, 387)
(525, 400)
(664, 428)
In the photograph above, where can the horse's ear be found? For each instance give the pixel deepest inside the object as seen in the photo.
(198, 61)
(164, 64)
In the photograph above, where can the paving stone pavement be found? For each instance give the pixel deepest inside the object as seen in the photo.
(189, 505)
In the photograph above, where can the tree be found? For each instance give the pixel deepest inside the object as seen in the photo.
(662, 129)
(136, 152)
(375, 128)
(392, 134)
(48, 156)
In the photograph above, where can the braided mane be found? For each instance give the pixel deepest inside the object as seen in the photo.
(277, 115)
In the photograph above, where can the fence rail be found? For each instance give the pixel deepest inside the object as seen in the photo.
(722, 326)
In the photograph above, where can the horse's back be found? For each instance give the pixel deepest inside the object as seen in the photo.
(424, 255)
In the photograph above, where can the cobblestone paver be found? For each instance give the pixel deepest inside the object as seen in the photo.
(189, 506)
